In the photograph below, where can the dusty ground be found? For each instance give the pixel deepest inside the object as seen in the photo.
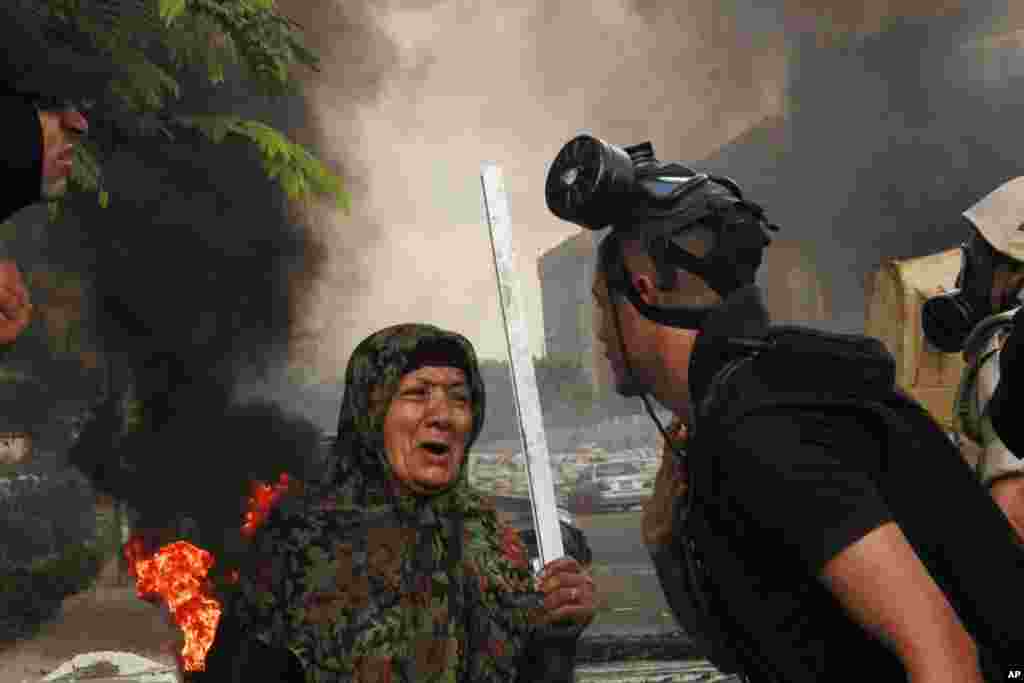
(110, 617)
(106, 617)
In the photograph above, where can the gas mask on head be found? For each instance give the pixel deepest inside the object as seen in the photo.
(596, 185)
(948, 318)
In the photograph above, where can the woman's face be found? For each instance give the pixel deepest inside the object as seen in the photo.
(427, 426)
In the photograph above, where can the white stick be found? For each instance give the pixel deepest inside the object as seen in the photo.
(524, 380)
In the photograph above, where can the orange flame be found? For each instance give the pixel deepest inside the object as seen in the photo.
(177, 574)
(264, 496)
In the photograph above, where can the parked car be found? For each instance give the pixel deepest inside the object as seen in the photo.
(611, 485)
(517, 512)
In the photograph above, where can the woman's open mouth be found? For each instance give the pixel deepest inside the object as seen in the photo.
(436, 449)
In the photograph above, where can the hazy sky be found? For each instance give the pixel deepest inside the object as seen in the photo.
(510, 83)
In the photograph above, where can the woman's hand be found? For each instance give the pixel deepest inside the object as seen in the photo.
(569, 592)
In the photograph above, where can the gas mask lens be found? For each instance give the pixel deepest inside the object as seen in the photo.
(594, 184)
(587, 180)
(948, 318)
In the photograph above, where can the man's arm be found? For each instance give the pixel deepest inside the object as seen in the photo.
(1001, 470)
(885, 588)
(1008, 493)
(826, 508)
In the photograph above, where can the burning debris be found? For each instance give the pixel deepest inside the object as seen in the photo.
(177, 575)
(264, 496)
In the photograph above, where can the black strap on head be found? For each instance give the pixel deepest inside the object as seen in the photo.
(687, 317)
(738, 226)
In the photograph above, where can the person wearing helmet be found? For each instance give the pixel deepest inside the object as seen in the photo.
(976, 318)
(799, 550)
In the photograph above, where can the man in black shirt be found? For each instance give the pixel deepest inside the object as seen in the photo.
(812, 573)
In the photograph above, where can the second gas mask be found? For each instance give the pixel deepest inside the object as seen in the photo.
(948, 318)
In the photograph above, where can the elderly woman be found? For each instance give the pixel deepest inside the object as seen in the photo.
(393, 568)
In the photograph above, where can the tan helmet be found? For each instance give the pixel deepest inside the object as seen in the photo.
(999, 217)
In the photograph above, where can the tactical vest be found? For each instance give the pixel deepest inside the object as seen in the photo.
(848, 373)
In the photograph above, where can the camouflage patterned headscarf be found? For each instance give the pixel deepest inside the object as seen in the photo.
(359, 465)
(364, 582)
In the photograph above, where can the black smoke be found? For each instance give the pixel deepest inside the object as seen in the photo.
(193, 271)
(202, 273)
(887, 137)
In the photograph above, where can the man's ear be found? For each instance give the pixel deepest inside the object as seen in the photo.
(644, 285)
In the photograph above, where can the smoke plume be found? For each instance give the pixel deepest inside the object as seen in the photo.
(897, 119)
(880, 137)
(202, 273)
(463, 82)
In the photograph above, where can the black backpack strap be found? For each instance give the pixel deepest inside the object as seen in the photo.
(684, 574)
(738, 389)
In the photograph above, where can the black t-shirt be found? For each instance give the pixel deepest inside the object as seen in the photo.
(797, 489)
(795, 495)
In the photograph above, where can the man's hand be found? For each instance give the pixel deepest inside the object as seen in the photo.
(15, 309)
(882, 584)
(1008, 493)
(669, 486)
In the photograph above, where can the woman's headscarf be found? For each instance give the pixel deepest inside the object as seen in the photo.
(360, 469)
(359, 578)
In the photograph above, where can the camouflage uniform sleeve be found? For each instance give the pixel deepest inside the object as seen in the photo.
(997, 462)
(1002, 405)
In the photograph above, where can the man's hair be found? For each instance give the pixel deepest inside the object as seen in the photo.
(698, 239)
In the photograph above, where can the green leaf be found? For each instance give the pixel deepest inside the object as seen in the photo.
(171, 10)
(205, 36)
(299, 173)
(104, 199)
